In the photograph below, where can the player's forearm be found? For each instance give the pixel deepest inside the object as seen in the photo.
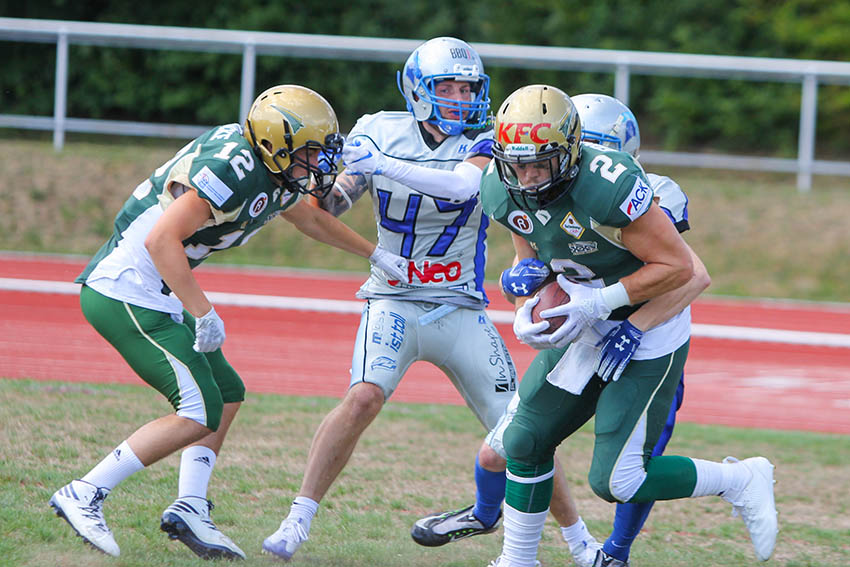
(324, 227)
(170, 260)
(346, 191)
(661, 308)
(459, 184)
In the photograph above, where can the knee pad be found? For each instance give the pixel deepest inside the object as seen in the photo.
(520, 442)
(599, 483)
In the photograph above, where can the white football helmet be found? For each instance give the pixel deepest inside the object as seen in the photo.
(607, 121)
(445, 58)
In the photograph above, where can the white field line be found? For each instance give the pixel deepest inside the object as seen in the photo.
(729, 332)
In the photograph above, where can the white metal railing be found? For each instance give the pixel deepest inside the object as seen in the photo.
(809, 73)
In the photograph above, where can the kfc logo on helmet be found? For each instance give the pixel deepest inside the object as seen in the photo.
(638, 200)
(520, 221)
(521, 129)
(258, 205)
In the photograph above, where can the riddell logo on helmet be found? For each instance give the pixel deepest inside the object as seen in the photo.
(431, 272)
(521, 129)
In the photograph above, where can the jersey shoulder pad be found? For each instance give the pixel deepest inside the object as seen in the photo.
(227, 173)
(671, 198)
(494, 197)
(611, 186)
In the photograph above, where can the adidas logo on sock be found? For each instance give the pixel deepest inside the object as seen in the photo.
(117, 453)
(204, 459)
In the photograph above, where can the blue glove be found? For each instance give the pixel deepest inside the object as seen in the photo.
(618, 346)
(523, 279)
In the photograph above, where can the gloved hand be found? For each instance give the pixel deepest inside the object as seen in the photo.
(393, 265)
(527, 331)
(209, 332)
(585, 307)
(360, 156)
(523, 279)
(618, 346)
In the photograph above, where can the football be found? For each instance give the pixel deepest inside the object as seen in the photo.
(550, 295)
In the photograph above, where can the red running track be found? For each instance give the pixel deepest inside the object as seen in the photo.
(730, 382)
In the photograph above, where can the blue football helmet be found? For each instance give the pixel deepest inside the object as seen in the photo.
(608, 122)
(438, 59)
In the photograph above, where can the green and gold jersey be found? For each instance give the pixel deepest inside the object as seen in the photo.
(221, 166)
(579, 234)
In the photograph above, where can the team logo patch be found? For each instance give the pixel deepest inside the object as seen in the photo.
(258, 205)
(384, 363)
(571, 226)
(520, 221)
(543, 216)
(213, 187)
(638, 200)
(583, 247)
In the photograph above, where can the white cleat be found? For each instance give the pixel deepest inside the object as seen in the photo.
(756, 506)
(286, 540)
(585, 555)
(188, 520)
(81, 505)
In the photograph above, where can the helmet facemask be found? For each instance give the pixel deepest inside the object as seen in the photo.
(303, 173)
(547, 181)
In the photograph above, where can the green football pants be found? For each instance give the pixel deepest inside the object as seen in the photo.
(630, 415)
(159, 350)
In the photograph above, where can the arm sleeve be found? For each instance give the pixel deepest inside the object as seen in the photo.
(457, 185)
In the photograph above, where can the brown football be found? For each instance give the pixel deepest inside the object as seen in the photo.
(550, 295)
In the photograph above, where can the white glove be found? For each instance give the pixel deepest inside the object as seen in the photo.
(393, 265)
(527, 331)
(586, 306)
(209, 332)
(361, 157)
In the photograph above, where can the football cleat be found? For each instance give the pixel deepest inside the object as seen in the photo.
(81, 505)
(286, 540)
(602, 559)
(585, 554)
(500, 561)
(440, 529)
(188, 520)
(756, 506)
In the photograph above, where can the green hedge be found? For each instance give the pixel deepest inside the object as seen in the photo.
(676, 113)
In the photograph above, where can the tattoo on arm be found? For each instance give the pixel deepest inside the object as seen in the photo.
(347, 189)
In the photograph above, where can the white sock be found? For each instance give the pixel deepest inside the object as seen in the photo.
(196, 466)
(114, 468)
(522, 536)
(720, 479)
(577, 535)
(303, 509)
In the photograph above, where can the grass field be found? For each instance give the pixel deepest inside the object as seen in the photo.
(756, 234)
(415, 459)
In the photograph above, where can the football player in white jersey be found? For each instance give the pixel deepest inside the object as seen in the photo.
(422, 169)
(140, 294)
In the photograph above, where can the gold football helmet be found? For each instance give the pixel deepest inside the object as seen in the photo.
(285, 119)
(537, 145)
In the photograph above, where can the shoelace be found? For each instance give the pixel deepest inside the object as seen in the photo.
(94, 509)
(296, 529)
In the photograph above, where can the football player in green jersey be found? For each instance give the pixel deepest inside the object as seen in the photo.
(140, 294)
(588, 213)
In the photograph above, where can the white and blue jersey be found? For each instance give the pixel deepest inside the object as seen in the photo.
(443, 241)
